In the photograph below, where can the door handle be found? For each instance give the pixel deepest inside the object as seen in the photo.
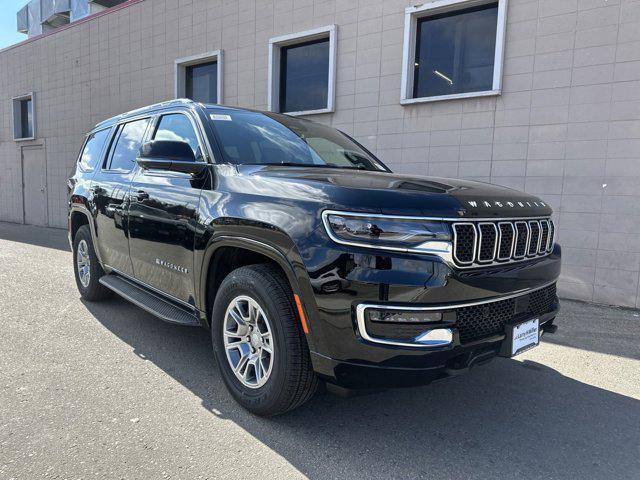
(141, 195)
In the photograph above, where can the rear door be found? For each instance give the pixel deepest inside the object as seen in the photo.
(163, 214)
(110, 188)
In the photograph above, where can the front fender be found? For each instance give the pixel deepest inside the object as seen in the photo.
(265, 240)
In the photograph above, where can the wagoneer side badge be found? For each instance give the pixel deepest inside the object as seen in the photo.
(172, 266)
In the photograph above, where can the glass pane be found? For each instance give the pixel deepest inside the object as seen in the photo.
(93, 148)
(304, 76)
(177, 127)
(455, 52)
(26, 118)
(273, 139)
(127, 146)
(202, 82)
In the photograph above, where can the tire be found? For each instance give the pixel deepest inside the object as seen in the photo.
(288, 381)
(89, 287)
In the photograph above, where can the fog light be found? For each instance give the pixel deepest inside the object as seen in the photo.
(403, 316)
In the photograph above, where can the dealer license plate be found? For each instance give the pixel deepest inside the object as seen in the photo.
(525, 335)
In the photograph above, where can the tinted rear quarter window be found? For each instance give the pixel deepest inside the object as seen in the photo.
(127, 144)
(92, 151)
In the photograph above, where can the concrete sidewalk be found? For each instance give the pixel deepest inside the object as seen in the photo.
(104, 390)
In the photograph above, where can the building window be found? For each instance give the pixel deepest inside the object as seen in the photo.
(302, 72)
(453, 49)
(24, 118)
(200, 77)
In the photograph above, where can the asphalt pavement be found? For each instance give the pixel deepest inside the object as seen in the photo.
(105, 390)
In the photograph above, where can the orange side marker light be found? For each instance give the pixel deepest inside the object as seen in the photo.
(303, 319)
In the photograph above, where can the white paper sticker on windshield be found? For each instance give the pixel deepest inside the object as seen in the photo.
(217, 116)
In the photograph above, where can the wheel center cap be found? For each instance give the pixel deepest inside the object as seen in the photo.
(256, 340)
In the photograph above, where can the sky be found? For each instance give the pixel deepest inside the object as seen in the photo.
(8, 33)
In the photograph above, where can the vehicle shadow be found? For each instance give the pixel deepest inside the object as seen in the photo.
(42, 237)
(615, 331)
(507, 419)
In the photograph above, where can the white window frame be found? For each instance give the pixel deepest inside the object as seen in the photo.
(275, 46)
(180, 72)
(411, 17)
(17, 116)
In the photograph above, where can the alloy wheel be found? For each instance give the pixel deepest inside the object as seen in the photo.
(84, 263)
(248, 341)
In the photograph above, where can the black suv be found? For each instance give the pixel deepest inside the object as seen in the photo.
(305, 256)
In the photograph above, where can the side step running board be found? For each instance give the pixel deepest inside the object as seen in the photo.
(149, 301)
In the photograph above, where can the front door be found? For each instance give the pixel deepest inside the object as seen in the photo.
(163, 216)
(110, 195)
(34, 185)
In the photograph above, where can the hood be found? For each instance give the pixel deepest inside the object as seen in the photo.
(390, 193)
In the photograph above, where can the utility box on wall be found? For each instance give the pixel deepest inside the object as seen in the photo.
(41, 16)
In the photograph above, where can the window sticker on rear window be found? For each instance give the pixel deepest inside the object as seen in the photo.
(217, 116)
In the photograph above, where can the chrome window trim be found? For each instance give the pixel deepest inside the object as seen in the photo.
(495, 244)
(474, 243)
(538, 240)
(513, 240)
(362, 329)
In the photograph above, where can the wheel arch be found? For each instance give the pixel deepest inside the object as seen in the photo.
(226, 253)
(79, 215)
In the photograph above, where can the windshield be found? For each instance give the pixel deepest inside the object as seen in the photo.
(254, 138)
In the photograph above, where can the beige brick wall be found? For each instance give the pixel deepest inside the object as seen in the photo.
(566, 127)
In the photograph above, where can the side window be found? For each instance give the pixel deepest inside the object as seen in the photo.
(128, 142)
(177, 127)
(91, 154)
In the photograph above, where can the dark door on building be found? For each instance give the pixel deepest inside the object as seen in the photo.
(110, 189)
(163, 215)
(34, 185)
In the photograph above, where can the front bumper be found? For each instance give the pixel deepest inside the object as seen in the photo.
(347, 353)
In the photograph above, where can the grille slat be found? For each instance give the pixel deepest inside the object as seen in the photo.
(534, 243)
(544, 237)
(488, 242)
(487, 239)
(489, 319)
(507, 236)
(465, 243)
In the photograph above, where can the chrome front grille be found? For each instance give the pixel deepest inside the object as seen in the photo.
(487, 243)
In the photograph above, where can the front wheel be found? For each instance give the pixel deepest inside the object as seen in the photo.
(258, 342)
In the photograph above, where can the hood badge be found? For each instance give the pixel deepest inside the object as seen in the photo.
(496, 203)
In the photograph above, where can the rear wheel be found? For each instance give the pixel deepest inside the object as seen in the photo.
(258, 342)
(87, 268)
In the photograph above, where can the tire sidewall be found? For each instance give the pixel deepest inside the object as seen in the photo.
(264, 397)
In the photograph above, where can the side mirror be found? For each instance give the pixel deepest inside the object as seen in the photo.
(169, 155)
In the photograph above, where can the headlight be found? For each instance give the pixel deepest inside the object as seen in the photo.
(405, 234)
